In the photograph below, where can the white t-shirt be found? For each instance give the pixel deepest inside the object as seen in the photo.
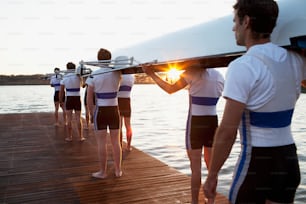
(72, 84)
(105, 86)
(126, 85)
(205, 88)
(55, 81)
(267, 79)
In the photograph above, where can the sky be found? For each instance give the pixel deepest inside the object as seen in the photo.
(38, 35)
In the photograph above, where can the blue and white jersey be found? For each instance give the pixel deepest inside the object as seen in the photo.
(105, 86)
(126, 85)
(205, 89)
(55, 81)
(264, 76)
(72, 83)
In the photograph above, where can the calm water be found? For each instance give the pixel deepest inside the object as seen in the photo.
(158, 121)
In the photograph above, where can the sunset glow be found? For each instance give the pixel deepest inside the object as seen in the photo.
(173, 74)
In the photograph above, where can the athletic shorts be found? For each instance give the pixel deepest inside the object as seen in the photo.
(124, 106)
(273, 174)
(73, 103)
(200, 131)
(106, 116)
(56, 97)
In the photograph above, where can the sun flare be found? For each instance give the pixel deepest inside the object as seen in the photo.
(173, 74)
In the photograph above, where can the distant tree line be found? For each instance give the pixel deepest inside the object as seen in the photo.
(40, 79)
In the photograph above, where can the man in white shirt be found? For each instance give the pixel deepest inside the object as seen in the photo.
(106, 114)
(261, 89)
(124, 102)
(71, 84)
(55, 82)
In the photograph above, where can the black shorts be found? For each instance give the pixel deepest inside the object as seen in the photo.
(107, 116)
(124, 106)
(200, 131)
(273, 174)
(56, 97)
(73, 103)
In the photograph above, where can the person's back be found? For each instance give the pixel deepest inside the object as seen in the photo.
(205, 88)
(71, 83)
(125, 109)
(275, 89)
(104, 86)
(126, 85)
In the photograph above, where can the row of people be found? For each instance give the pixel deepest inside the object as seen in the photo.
(107, 105)
(260, 89)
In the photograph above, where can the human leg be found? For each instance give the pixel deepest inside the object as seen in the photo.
(194, 156)
(56, 107)
(117, 151)
(101, 137)
(87, 118)
(69, 125)
(120, 131)
(79, 125)
(64, 113)
(127, 123)
(207, 155)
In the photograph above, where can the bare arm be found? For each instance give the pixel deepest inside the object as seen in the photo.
(223, 142)
(90, 98)
(169, 88)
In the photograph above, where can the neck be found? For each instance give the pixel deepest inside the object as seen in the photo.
(253, 42)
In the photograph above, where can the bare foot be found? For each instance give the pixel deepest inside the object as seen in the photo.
(99, 175)
(68, 139)
(118, 174)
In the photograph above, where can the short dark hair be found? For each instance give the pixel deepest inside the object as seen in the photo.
(70, 65)
(104, 54)
(263, 15)
(56, 69)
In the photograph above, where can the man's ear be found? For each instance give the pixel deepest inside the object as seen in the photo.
(246, 22)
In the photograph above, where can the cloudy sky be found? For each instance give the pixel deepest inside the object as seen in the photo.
(38, 35)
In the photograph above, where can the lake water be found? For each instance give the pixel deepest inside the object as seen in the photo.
(158, 121)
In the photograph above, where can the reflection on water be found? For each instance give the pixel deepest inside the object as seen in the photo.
(158, 121)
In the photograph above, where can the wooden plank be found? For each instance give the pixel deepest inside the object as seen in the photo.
(37, 165)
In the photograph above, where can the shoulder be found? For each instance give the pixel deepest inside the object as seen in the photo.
(297, 57)
(213, 72)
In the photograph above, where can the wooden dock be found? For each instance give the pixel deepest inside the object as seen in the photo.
(38, 166)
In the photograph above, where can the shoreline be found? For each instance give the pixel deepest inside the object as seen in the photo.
(41, 79)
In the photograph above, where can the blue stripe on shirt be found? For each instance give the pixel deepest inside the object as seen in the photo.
(108, 95)
(271, 119)
(125, 88)
(207, 101)
(73, 90)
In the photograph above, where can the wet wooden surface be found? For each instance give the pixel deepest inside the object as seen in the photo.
(38, 166)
